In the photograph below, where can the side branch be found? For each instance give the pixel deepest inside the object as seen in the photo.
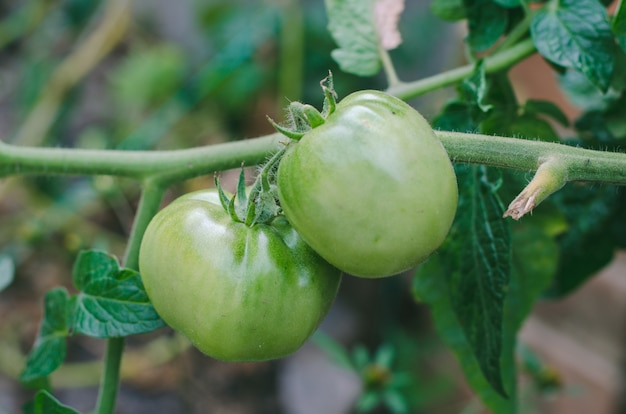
(493, 63)
(519, 154)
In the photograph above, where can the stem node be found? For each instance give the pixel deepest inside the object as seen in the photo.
(550, 177)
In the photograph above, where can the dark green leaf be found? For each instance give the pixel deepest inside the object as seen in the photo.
(474, 89)
(534, 261)
(7, 271)
(465, 113)
(455, 116)
(351, 23)
(508, 3)
(112, 301)
(431, 285)
(44, 403)
(576, 34)
(531, 127)
(619, 25)
(478, 283)
(450, 10)
(49, 350)
(487, 22)
(604, 129)
(548, 108)
(589, 244)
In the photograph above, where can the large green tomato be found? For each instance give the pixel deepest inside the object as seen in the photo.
(372, 189)
(239, 293)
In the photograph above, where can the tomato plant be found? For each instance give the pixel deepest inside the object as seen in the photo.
(366, 187)
(239, 293)
(371, 189)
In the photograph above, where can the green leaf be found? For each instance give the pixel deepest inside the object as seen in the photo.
(532, 127)
(112, 301)
(49, 349)
(455, 116)
(466, 112)
(508, 3)
(431, 285)
(619, 25)
(474, 89)
(351, 23)
(7, 271)
(604, 128)
(44, 403)
(534, 263)
(588, 245)
(450, 10)
(479, 279)
(487, 22)
(583, 93)
(576, 34)
(538, 107)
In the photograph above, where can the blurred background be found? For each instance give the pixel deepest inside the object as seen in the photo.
(160, 74)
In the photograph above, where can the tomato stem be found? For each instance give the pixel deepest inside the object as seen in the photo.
(111, 376)
(149, 203)
(494, 63)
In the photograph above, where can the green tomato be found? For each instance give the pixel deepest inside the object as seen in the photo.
(238, 293)
(372, 189)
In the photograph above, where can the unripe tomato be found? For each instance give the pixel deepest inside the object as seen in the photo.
(239, 293)
(372, 189)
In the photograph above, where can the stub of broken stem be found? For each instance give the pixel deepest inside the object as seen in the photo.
(549, 178)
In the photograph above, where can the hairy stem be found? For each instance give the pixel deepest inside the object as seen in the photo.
(151, 197)
(169, 167)
(579, 164)
(389, 68)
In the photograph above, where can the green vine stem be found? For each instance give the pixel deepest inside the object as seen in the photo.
(493, 63)
(168, 167)
(165, 166)
(110, 376)
(149, 203)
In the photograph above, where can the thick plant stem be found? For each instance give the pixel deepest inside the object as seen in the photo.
(175, 165)
(169, 167)
(148, 206)
(520, 154)
(493, 63)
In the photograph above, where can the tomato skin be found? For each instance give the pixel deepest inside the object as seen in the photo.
(372, 190)
(238, 293)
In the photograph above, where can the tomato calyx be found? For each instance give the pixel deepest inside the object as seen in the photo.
(301, 118)
(260, 204)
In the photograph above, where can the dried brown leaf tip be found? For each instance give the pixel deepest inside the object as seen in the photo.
(387, 15)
